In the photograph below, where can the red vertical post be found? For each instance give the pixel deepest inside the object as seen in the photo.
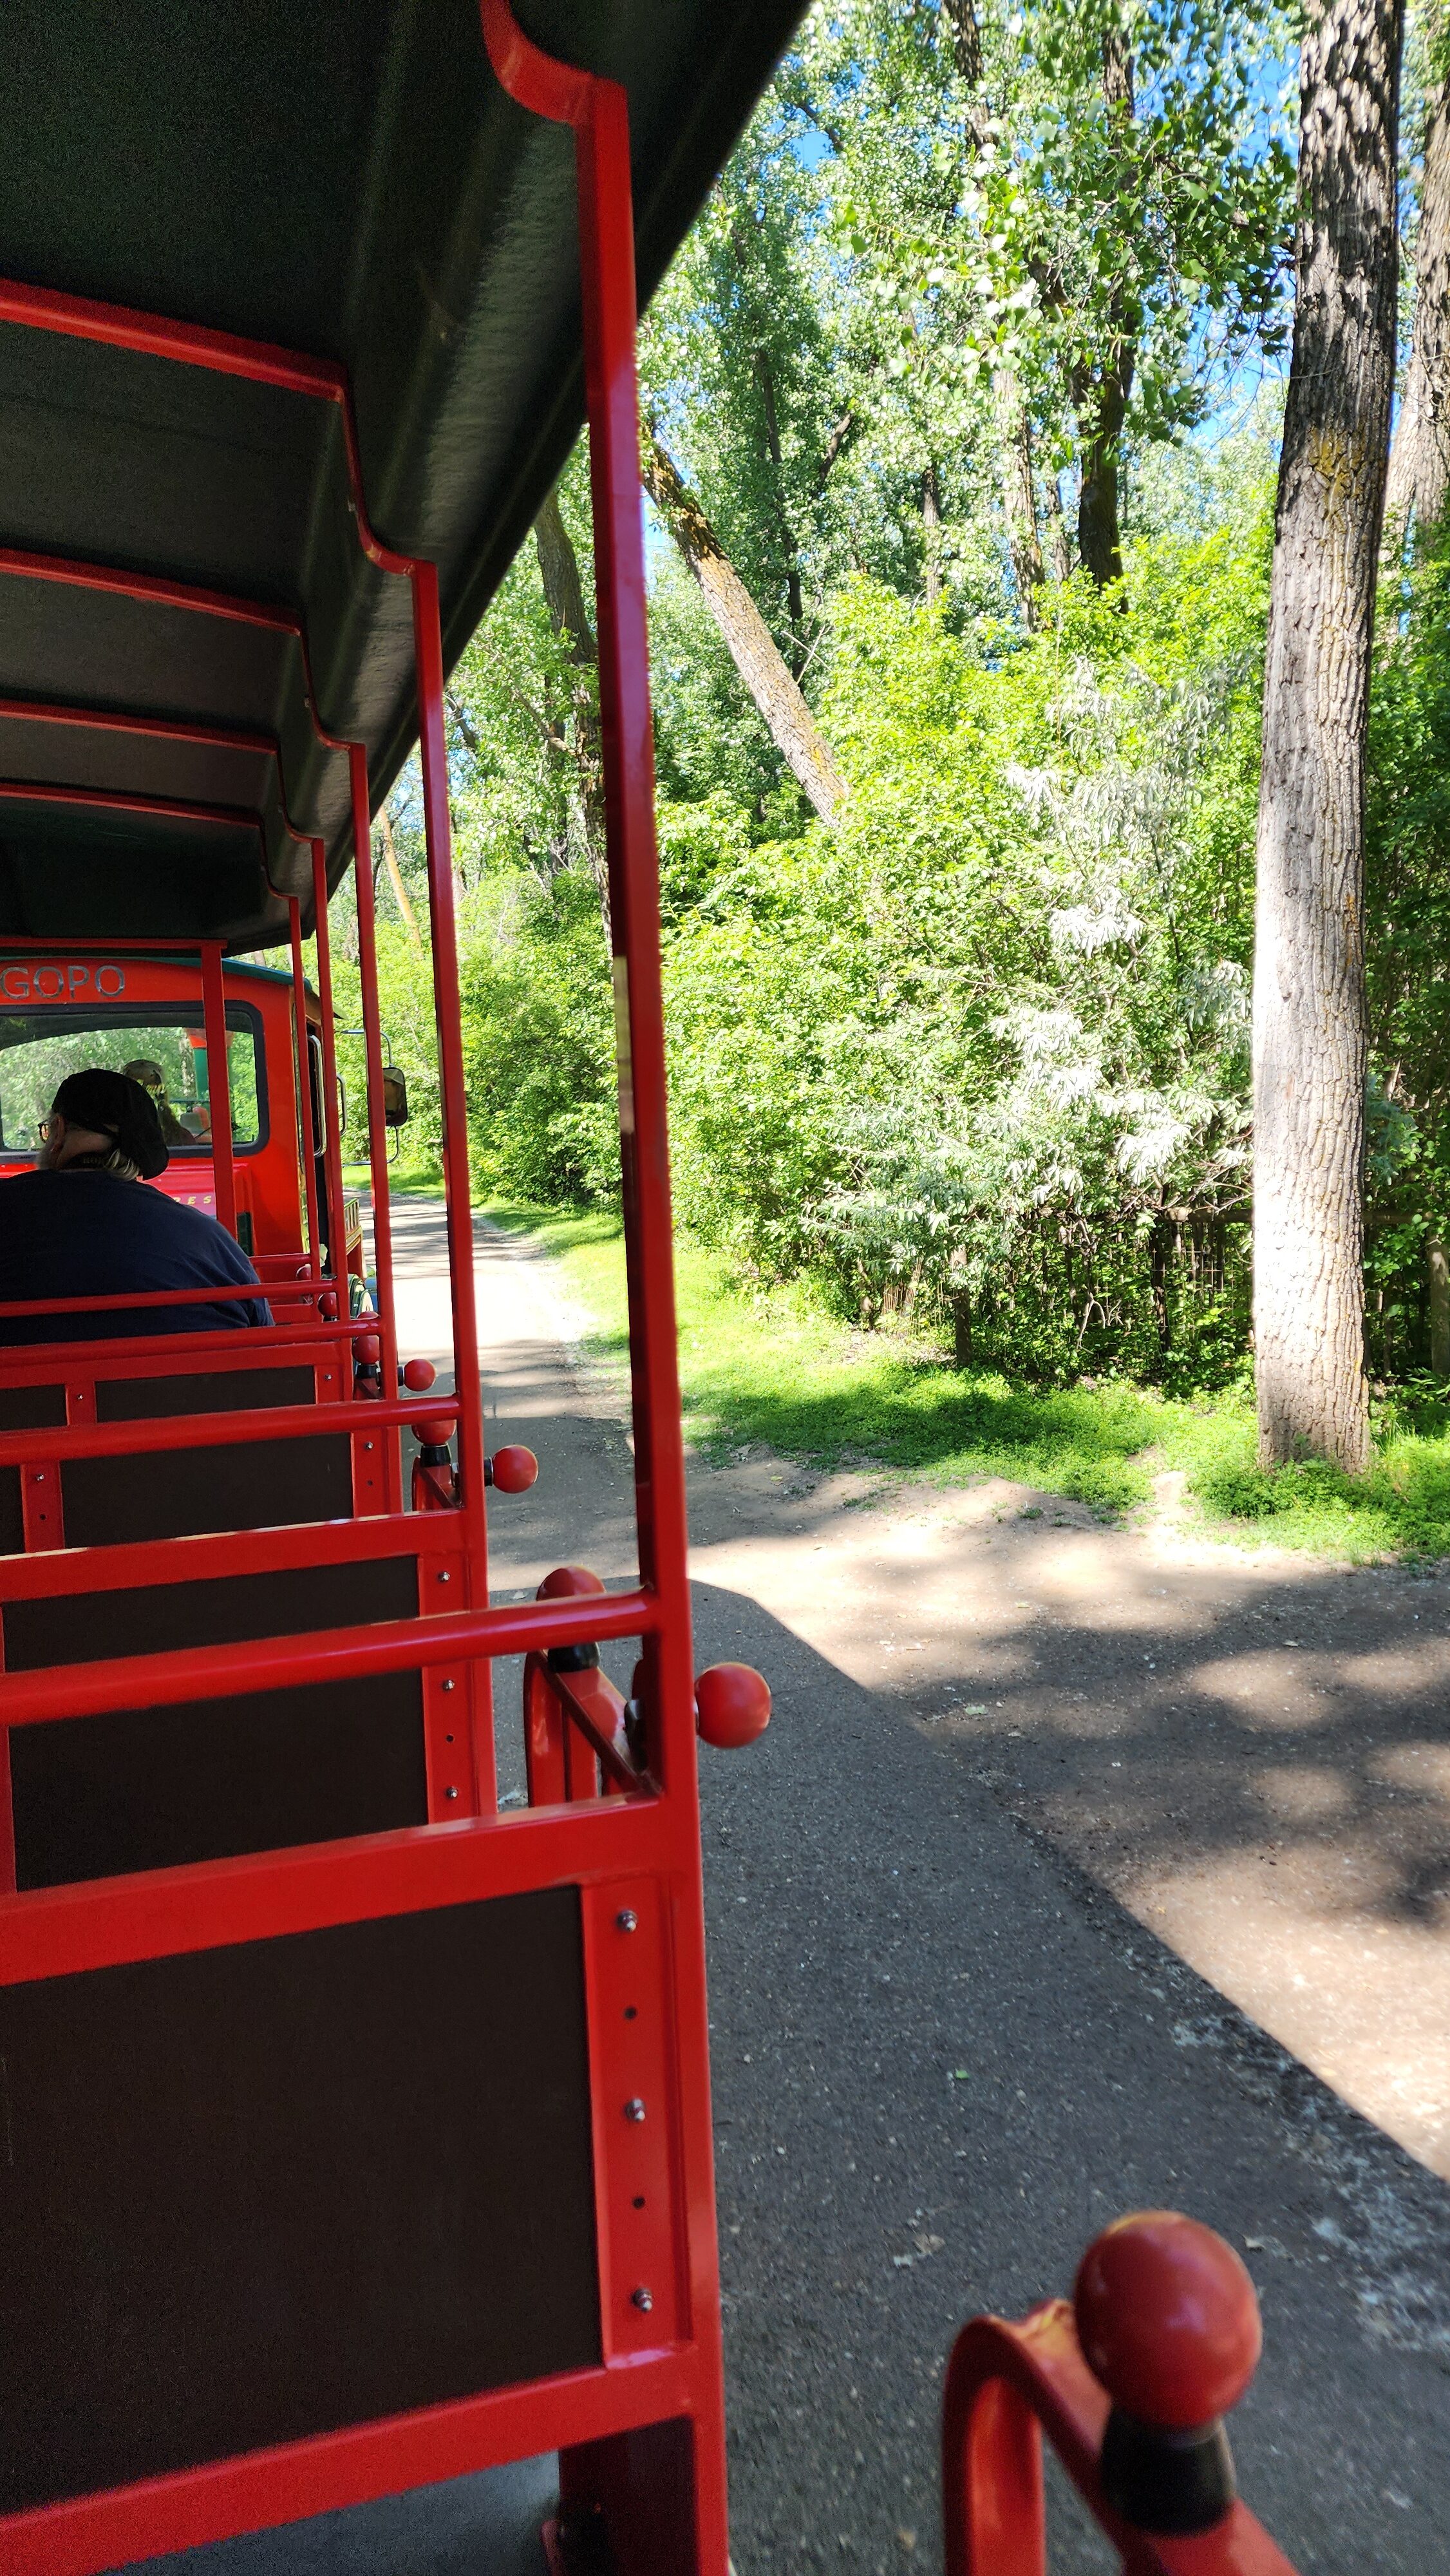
(606, 241)
(304, 1086)
(438, 835)
(367, 958)
(994, 2509)
(607, 259)
(331, 1137)
(7, 1818)
(598, 112)
(219, 1084)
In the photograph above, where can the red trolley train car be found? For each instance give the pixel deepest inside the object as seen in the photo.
(353, 2135)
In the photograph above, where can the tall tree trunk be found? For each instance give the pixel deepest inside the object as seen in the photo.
(1439, 1268)
(401, 896)
(1014, 441)
(564, 599)
(1310, 1042)
(795, 603)
(1059, 551)
(1100, 396)
(1014, 432)
(931, 525)
(1102, 408)
(1419, 475)
(788, 720)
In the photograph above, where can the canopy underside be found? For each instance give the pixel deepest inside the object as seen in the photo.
(349, 182)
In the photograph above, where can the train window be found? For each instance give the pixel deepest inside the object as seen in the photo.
(164, 1049)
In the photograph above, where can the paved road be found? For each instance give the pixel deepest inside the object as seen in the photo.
(942, 2057)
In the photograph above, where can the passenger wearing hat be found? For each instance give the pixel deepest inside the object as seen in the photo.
(78, 1225)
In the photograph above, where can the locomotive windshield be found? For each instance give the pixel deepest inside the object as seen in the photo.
(164, 1049)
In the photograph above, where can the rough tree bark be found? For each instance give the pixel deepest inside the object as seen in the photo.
(1014, 430)
(1438, 1265)
(1059, 551)
(564, 599)
(788, 719)
(1019, 498)
(1100, 396)
(1419, 476)
(401, 896)
(931, 526)
(1310, 1042)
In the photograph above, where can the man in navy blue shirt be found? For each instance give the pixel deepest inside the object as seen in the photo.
(83, 1224)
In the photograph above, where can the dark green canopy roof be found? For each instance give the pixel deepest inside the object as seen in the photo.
(346, 179)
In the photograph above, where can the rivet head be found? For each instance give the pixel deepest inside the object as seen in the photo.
(642, 2298)
(450, 1686)
(634, 2110)
(445, 1578)
(627, 1919)
(450, 1793)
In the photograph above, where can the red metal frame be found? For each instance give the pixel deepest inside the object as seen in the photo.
(219, 1085)
(331, 1126)
(367, 952)
(1006, 2386)
(635, 1855)
(597, 111)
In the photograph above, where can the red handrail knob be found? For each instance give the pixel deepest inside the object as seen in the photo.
(436, 1433)
(367, 1349)
(566, 1581)
(418, 1376)
(1167, 2319)
(732, 1705)
(514, 1470)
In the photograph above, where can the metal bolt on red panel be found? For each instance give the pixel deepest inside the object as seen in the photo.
(732, 1705)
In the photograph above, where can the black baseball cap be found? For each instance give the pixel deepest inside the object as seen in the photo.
(116, 1106)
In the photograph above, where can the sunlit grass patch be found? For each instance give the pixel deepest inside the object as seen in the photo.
(1401, 1508)
(405, 1180)
(772, 1366)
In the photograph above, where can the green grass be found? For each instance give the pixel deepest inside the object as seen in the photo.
(775, 1367)
(411, 1180)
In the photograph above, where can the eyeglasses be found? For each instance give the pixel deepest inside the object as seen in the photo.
(44, 1128)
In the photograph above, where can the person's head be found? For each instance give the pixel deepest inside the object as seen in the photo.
(103, 1122)
(142, 1069)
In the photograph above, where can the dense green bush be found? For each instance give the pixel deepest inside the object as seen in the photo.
(975, 1060)
(979, 1053)
(539, 1043)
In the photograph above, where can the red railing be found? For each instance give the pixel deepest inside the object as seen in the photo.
(1129, 2382)
(581, 1734)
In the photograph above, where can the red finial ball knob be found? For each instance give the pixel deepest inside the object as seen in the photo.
(418, 1376)
(567, 1580)
(1167, 2319)
(367, 1348)
(732, 1706)
(327, 1307)
(514, 1469)
(435, 1434)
